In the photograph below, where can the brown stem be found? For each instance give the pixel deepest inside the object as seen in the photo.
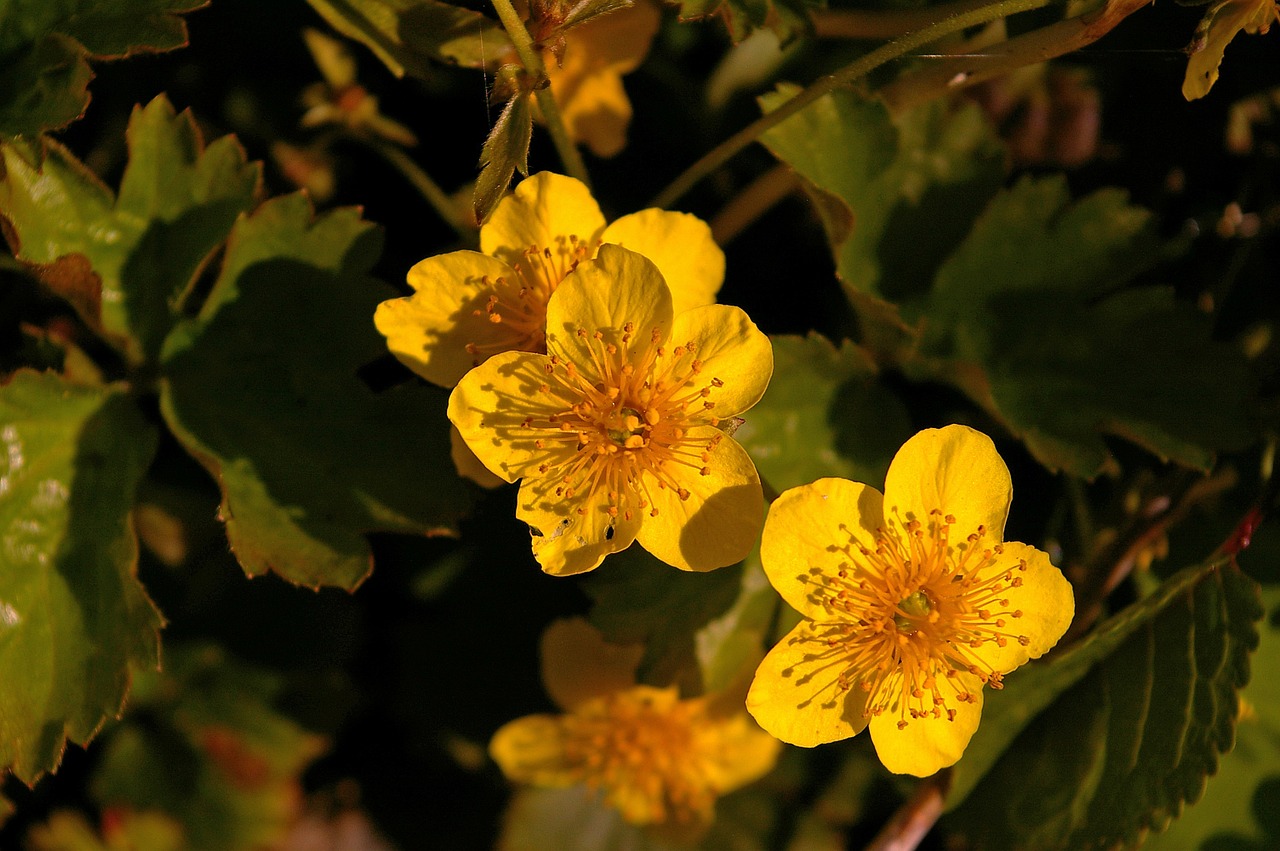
(876, 24)
(944, 75)
(753, 202)
(915, 818)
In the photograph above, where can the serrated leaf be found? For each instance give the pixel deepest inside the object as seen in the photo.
(72, 613)
(263, 389)
(124, 261)
(205, 745)
(1238, 807)
(505, 151)
(1150, 707)
(44, 46)
(824, 414)
(878, 183)
(409, 35)
(638, 599)
(789, 19)
(1017, 320)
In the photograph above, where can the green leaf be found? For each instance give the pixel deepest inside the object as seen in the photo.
(506, 150)
(576, 818)
(789, 19)
(638, 599)
(1238, 809)
(124, 262)
(72, 613)
(730, 646)
(879, 183)
(1149, 702)
(68, 830)
(262, 389)
(1018, 320)
(44, 46)
(824, 414)
(205, 745)
(409, 35)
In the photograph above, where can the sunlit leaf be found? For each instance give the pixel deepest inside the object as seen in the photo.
(263, 389)
(124, 261)
(72, 613)
(409, 35)
(824, 414)
(879, 183)
(1148, 703)
(205, 745)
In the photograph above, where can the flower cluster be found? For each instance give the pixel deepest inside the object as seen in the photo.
(912, 603)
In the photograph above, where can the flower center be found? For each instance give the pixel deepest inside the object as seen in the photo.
(640, 748)
(913, 621)
(626, 429)
(519, 303)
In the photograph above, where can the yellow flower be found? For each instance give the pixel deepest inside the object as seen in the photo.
(659, 760)
(470, 305)
(615, 430)
(911, 603)
(1221, 23)
(587, 84)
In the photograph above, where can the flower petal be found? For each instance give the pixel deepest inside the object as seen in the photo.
(955, 470)
(429, 330)
(683, 249)
(927, 745)
(811, 532)
(543, 211)
(619, 40)
(468, 465)
(735, 751)
(578, 664)
(571, 535)
(732, 349)
(720, 521)
(1254, 16)
(531, 750)
(1045, 601)
(593, 106)
(794, 695)
(605, 294)
(491, 404)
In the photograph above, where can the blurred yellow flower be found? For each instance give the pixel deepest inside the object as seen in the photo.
(1220, 24)
(659, 760)
(469, 305)
(911, 603)
(615, 430)
(587, 81)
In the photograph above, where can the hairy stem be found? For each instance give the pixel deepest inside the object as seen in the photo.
(531, 59)
(952, 22)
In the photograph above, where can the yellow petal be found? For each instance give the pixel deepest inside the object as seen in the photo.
(467, 464)
(794, 695)
(1254, 16)
(490, 405)
(605, 294)
(732, 349)
(571, 535)
(683, 249)
(429, 330)
(736, 751)
(618, 40)
(955, 470)
(927, 745)
(720, 521)
(814, 530)
(578, 664)
(593, 106)
(543, 211)
(1045, 600)
(531, 750)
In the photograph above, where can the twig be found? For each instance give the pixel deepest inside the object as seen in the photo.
(752, 203)
(427, 188)
(915, 818)
(531, 59)
(723, 152)
(882, 23)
